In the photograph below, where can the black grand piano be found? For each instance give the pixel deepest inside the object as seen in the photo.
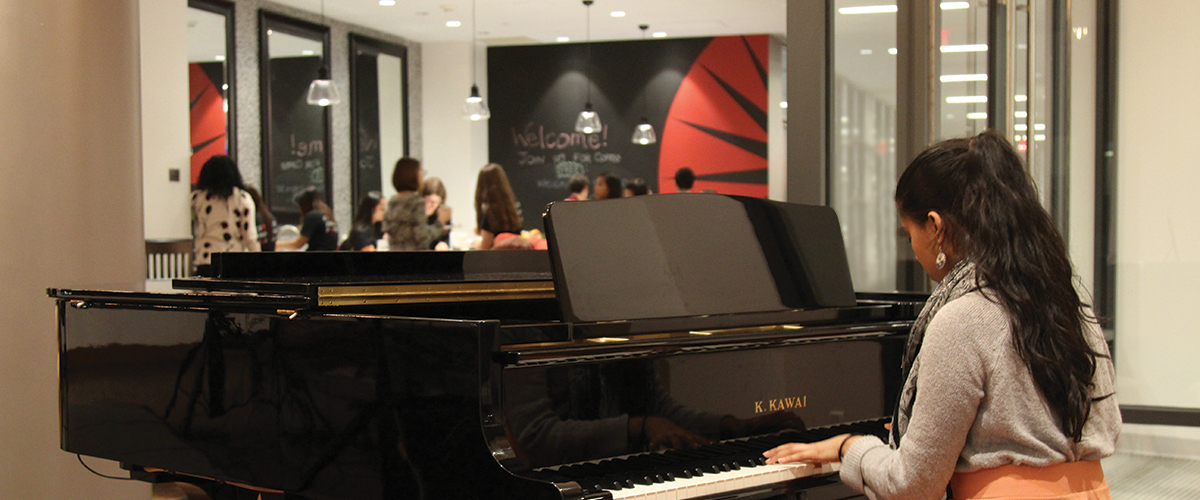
(659, 347)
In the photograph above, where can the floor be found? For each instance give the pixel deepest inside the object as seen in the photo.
(1140, 477)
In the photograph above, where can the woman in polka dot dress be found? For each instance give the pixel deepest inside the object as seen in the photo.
(222, 213)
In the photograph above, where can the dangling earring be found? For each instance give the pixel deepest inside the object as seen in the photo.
(940, 261)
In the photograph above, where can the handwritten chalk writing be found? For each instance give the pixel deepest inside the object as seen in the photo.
(535, 136)
(291, 165)
(551, 184)
(599, 157)
(524, 158)
(305, 148)
(568, 169)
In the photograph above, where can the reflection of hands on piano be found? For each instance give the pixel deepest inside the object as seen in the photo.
(732, 427)
(661, 433)
(820, 452)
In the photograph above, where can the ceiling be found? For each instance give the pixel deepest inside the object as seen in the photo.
(513, 22)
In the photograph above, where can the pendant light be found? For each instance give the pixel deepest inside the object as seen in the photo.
(475, 109)
(588, 121)
(322, 91)
(644, 132)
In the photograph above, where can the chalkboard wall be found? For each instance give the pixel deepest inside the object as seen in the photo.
(706, 98)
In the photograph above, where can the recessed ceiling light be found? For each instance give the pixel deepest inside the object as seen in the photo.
(866, 52)
(963, 99)
(893, 51)
(617, 13)
(563, 39)
(978, 47)
(387, 3)
(978, 115)
(659, 34)
(453, 24)
(868, 9)
(1020, 127)
(955, 5)
(977, 77)
(307, 52)
(1020, 98)
(1021, 114)
(270, 32)
(219, 57)
(225, 86)
(783, 104)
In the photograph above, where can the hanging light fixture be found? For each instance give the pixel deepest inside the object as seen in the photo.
(588, 121)
(644, 133)
(475, 109)
(322, 91)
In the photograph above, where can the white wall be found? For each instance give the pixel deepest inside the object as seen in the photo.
(455, 149)
(1158, 236)
(166, 132)
(776, 118)
(71, 197)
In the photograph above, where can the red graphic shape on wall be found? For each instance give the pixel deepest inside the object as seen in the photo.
(208, 119)
(717, 124)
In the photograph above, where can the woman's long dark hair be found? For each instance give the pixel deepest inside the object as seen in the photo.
(366, 208)
(993, 217)
(494, 198)
(219, 176)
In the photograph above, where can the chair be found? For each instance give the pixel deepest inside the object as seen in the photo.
(167, 259)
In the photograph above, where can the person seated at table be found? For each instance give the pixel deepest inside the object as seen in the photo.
(437, 212)
(495, 206)
(636, 187)
(405, 223)
(318, 229)
(366, 229)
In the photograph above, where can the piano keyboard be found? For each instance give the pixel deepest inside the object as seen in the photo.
(712, 484)
(717, 468)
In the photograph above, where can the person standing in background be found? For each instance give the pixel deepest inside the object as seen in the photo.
(222, 213)
(608, 186)
(684, 180)
(366, 229)
(495, 206)
(318, 229)
(579, 188)
(437, 212)
(405, 224)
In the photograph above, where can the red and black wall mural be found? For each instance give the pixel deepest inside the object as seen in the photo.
(208, 116)
(706, 97)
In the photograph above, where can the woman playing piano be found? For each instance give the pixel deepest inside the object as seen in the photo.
(1009, 385)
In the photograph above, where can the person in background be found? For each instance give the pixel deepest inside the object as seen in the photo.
(264, 220)
(437, 213)
(495, 206)
(684, 180)
(366, 229)
(1008, 384)
(579, 187)
(222, 213)
(318, 228)
(636, 187)
(607, 186)
(405, 223)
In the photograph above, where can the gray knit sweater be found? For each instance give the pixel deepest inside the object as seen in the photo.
(976, 408)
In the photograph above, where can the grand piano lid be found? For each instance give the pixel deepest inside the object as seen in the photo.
(379, 278)
(680, 255)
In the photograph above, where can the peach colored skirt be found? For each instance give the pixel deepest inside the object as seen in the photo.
(1065, 481)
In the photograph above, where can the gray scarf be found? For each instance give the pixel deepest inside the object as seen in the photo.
(958, 282)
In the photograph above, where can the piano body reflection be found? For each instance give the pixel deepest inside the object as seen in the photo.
(654, 352)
